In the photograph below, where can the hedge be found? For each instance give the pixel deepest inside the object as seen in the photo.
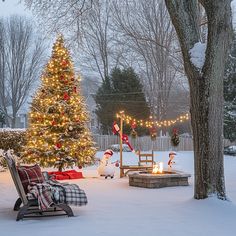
(12, 139)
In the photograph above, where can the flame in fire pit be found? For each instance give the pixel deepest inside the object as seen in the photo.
(157, 168)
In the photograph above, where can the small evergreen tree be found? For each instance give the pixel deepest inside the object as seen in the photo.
(58, 134)
(121, 91)
(230, 95)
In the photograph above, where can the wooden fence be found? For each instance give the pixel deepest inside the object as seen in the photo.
(145, 143)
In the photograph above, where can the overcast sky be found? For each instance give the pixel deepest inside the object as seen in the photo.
(9, 7)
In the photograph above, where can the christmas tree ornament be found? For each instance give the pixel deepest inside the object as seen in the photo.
(70, 128)
(66, 96)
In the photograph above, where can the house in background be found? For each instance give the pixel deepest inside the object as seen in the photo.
(89, 87)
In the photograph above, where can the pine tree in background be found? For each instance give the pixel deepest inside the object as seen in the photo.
(230, 95)
(58, 135)
(122, 90)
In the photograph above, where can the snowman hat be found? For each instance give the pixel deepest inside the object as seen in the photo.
(172, 153)
(108, 152)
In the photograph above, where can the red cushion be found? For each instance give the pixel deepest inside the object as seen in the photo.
(30, 174)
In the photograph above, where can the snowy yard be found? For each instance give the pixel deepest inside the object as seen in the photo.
(116, 209)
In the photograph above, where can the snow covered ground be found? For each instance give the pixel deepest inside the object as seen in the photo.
(116, 209)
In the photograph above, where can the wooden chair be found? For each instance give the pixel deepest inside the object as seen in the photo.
(30, 207)
(146, 159)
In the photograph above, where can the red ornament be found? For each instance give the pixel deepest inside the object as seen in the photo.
(117, 164)
(75, 89)
(54, 122)
(58, 145)
(133, 125)
(64, 63)
(175, 131)
(80, 167)
(62, 77)
(66, 96)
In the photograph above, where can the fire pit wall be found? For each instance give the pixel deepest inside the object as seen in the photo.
(166, 179)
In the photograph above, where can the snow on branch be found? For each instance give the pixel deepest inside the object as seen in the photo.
(197, 54)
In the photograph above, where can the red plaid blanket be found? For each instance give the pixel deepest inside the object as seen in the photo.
(52, 191)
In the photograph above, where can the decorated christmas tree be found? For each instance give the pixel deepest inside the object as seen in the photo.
(58, 135)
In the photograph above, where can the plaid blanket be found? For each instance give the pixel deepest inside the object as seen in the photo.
(52, 191)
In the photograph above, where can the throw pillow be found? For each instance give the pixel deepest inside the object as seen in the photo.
(30, 174)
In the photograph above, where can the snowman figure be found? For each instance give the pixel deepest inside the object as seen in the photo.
(171, 161)
(106, 168)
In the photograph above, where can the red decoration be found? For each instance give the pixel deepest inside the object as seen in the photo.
(64, 63)
(58, 145)
(133, 125)
(54, 122)
(75, 89)
(62, 77)
(115, 128)
(80, 167)
(66, 96)
(175, 131)
(117, 164)
(125, 138)
(69, 174)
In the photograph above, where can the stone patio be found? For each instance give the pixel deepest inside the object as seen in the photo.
(165, 179)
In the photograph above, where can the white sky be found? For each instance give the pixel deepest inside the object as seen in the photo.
(10, 7)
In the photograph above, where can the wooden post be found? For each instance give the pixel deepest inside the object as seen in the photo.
(121, 147)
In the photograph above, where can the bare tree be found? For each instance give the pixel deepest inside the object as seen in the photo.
(204, 65)
(21, 59)
(98, 38)
(3, 96)
(61, 15)
(149, 32)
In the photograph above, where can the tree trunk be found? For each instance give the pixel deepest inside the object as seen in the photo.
(13, 122)
(206, 88)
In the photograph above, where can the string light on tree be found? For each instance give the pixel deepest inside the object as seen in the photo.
(58, 134)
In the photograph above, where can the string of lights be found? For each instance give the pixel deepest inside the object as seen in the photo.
(150, 122)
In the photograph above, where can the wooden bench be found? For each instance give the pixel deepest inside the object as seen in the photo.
(30, 208)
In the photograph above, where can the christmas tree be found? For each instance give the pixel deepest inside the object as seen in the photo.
(58, 135)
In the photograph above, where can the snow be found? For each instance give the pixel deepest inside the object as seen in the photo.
(116, 209)
(197, 54)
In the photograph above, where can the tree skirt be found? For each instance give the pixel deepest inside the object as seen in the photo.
(69, 174)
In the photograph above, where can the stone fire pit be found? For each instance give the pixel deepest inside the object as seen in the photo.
(165, 179)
